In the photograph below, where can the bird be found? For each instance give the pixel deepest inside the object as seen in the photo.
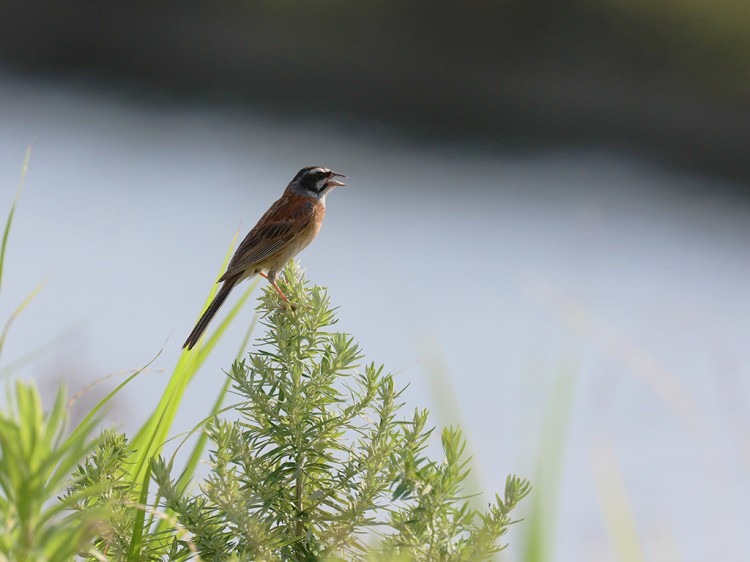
(287, 227)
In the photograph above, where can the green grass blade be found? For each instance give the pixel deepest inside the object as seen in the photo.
(614, 504)
(539, 546)
(443, 396)
(17, 312)
(103, 402)
(183, 372)
(154, 434)
(15, 365)
(200, 445)
(195, 454)
(140, 518)
(12, 212)
(205, 349)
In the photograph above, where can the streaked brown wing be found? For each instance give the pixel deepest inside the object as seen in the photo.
(281, 224)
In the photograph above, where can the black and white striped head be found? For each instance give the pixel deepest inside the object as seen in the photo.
(315, 181)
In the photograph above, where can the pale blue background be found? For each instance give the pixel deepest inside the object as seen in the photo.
(508, 270)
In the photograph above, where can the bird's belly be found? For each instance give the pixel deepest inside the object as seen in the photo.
(278, 260)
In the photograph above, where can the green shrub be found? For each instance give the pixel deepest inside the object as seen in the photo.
(36, 461)
(319, 465)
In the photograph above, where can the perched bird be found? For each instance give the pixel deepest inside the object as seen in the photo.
(284, 231)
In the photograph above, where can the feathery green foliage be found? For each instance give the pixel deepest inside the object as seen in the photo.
(320, 465)
(104, 472)
(36, 460)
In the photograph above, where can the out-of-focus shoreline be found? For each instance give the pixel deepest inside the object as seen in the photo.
(667, 87)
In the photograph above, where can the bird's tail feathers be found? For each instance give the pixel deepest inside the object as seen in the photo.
(208, 315)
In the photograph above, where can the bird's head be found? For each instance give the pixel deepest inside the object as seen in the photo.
(315, 181)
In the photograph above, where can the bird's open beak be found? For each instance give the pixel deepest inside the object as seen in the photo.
(335, 183)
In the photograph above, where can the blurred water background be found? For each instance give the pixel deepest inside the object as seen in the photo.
(512, 242)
